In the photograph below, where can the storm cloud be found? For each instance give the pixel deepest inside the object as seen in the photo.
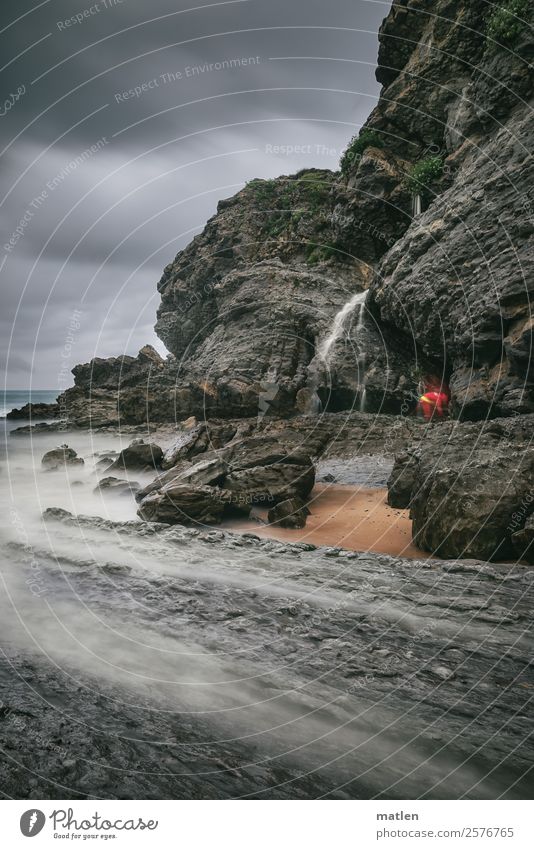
(123, 125)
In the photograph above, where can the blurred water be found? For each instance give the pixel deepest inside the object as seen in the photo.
(258, 642)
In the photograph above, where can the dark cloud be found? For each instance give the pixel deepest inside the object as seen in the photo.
(123, 130)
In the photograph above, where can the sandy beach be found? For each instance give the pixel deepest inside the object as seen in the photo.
(356, 518)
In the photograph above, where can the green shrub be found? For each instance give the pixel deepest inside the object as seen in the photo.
(504, 24)
(321, 253)
(264, 190)
(355, 148)
(423, 174)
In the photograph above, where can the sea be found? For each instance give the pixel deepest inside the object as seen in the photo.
(11, 399)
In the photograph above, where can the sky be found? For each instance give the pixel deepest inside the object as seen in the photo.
(124, 122)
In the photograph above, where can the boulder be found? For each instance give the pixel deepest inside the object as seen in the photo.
(271, 484)
(179, 503)
(139, 455)
(197, 439)
(60, 457)
(119, 486)
(291, 513)
(209, 469)
(469, 487)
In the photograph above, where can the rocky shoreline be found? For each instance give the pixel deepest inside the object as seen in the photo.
(169, 657)
(363, 655)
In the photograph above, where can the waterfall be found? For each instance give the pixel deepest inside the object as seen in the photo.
(338, 326)
(340, 320)
(361, 358)
(416, 205)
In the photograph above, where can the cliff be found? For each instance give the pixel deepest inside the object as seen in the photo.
(246, 305)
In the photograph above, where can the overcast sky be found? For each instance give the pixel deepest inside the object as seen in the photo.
(101, 186)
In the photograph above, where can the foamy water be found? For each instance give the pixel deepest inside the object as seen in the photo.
(253, 639)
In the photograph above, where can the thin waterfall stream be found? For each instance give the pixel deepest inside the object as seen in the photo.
(324, 351)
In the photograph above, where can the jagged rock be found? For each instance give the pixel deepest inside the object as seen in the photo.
(273, 483)
(40, 427)
(35, 411)
(469, 487)
(259, 469)
(120, 390)
(139, 455)
(280, 257)
(118, 486)
(60, 457)
(196, 439)
(291, 513)
(459, 281)
(179, 503)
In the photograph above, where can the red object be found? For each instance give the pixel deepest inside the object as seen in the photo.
(434, 403)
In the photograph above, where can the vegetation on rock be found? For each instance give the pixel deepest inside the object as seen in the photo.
(366, 138)
(507, 22)
(424, 175)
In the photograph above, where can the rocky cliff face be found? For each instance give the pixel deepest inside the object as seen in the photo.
(245, 307)
(248, 301)
(460, 279)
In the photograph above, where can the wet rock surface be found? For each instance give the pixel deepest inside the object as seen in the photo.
(382, 677)
(469, 488)
(139, 455)
(117, 486)
(289, 514)
(60, 457)
(184, 504)
(254, 470)
(35, 411)
(458, 280)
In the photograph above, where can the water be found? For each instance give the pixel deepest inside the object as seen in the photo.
(12, 399)
(221, 667)
(339, 323)
(338, 326)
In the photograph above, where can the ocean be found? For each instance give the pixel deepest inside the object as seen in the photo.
(14, 398)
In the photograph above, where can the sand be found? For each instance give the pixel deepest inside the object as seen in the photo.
(350, 517)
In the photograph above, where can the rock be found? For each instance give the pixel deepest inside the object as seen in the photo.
(270, 484)
(120, 390)
(178, 503)
(291, 513)
(328, 478)
(60, 457)
(469, 488)
(40, 427)
(139, 455)
(207, 471)
(273, 250)
(197, 438)
(402, 480)
(523, 539)
(58, 514)
(106, 462)
(433, 284)
(117, 486)
(284, 256)
(35, 411)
